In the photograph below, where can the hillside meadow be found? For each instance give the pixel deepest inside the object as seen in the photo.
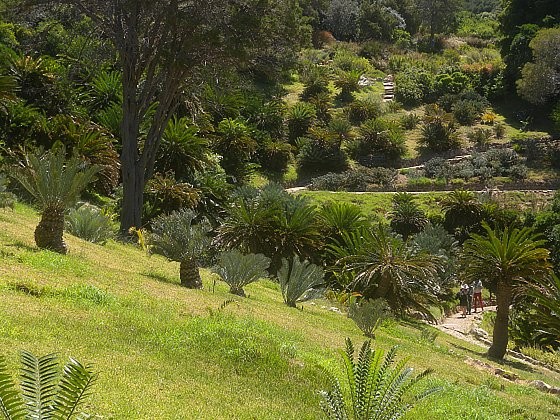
(162, 351)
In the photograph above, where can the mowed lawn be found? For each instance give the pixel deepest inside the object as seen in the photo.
(164, 352)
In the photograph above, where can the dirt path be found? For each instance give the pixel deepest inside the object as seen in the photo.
(468, 328)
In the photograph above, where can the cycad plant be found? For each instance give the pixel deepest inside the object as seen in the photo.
(378, 388)
(179, 238)
(463, 212)
(407, 218)
(368, 314)
(546, 292)
(505, 259)
(55, 183)
(239, 270)
(45, 393)
(299, 280)
(89, 223)
(182, 150)
(383, 266)
(300, 117)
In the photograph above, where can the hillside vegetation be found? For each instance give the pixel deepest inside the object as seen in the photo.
(163, 351)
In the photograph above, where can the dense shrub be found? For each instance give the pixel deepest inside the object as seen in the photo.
(450, 83)
(318, 155)
(413, 86)
(88, 222)
(361, 179)
(380, 137)
(7, 199)
(438, 130)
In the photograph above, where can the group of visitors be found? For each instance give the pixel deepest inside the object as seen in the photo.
(469, 296)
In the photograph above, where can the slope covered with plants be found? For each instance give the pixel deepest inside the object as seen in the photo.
(163, 351)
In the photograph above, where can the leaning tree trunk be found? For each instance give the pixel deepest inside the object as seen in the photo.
(501, 325)
(189, 274)
(49, 231)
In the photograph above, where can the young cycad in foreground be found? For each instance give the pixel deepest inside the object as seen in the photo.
(299, 280)
(55, 183)
(377, 387)
(45, 392)
(239, 270)
(179, 238)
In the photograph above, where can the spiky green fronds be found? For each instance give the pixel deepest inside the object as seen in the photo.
(54, 182)
(239, 270)
(377, 386)
(298, 279)
(178, 237)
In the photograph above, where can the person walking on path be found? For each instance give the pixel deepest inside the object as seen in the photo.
(470, 290)
(463, 296)
(477, 296)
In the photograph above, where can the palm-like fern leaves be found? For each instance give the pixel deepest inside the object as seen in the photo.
(239, 270)
(377, 387)
(54, 182)
(298, 279)
(11, 404)
(45, 394)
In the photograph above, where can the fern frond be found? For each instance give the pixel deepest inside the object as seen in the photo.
(38, 383)
(73, 388)
(11, 404)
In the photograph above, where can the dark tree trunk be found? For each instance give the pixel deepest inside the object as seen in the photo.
(383, 288)
(49, 231)
(189, 274)
(133, 194)
(501, 333)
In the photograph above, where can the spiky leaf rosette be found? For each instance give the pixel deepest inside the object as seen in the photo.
(377, 386)
(239, 270)
(178, 237)
(54, 182)
(298, 279)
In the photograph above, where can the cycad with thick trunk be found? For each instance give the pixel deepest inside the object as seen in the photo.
(506, 259)
(55, 183)
(179, 238)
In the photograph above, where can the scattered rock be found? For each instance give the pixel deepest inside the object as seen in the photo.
(335, 309)
(480, 333)
(543, 386)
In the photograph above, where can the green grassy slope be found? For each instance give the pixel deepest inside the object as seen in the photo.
(163, 352)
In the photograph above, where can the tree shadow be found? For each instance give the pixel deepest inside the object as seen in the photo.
(23, 246)
(515, 364)
(511, 364)
(160, 277)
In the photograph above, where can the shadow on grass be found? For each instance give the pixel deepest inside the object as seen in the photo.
(512, 364)
(23, 246)
(160, 277)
